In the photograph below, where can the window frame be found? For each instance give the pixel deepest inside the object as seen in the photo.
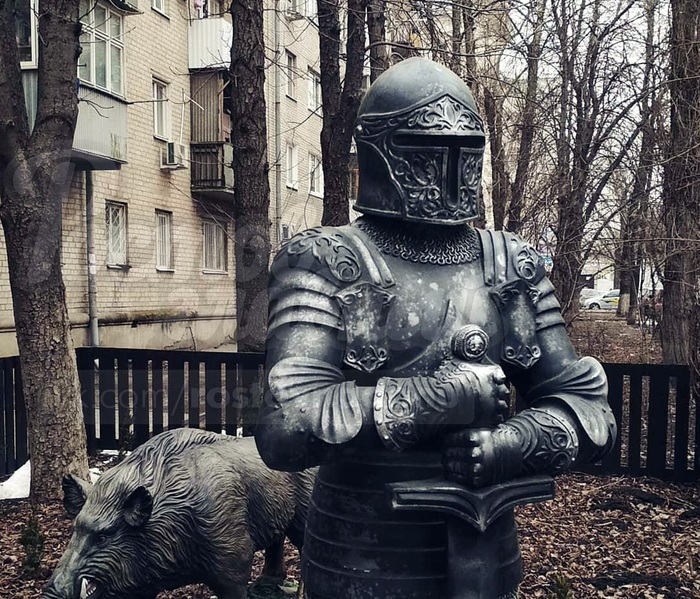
(314, 100)
(290, 70)
(33, 63)
(110, 260)
(163, 104)
(166, 241)
(315, 175)
(161, 10)
(222, 236)
(91, 29)
(292, 167)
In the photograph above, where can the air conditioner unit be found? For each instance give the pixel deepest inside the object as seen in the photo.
(173, 156)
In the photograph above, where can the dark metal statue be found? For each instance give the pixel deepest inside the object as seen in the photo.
(187, 506)
(389, 347)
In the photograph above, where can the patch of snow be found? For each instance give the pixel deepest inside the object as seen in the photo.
(94, 474)
(17, 486)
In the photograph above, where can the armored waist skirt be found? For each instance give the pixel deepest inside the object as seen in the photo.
(356, 547)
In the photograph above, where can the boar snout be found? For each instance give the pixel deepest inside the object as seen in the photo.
(69, 589)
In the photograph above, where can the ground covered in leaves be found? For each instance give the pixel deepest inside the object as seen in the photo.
(600, 537)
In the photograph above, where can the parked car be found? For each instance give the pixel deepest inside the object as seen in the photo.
(606, 301)
(588, 293)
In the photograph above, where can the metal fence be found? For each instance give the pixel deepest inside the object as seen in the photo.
(131, 394)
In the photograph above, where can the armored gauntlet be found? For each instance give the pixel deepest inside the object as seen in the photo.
(538, 440)
(410, 410)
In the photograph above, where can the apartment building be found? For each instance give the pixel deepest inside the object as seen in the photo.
(147, 247)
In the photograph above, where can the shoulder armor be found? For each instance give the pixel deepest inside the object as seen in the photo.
(507, 257)
(515, 275)
(326, 251)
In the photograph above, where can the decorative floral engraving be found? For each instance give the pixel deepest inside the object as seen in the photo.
(444, 114)
(554, 447)
(529, 264)
(457, 245)
(365, 308)
(329, 248)
(506, 293)
(470, 182)
(523, 355)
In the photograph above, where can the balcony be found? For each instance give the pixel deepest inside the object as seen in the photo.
(210, 167)
(100, 136)
(210, 43)
(100, 133)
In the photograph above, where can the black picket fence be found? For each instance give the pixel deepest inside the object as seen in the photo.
(131, 394)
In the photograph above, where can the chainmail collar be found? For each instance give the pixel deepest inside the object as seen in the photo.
(425, 244)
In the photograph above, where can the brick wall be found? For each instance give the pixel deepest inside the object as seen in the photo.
(141, 306)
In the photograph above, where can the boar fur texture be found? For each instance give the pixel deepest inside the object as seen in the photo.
(188, 506)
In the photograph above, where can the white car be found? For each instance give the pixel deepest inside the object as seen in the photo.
(606, 301)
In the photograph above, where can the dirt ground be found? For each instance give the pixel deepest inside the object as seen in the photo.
(600, 537)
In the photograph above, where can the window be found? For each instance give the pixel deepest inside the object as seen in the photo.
(285, 232)
(292, 167)
(290, 75)
(293, 6)
(101, 62)
(160, 5)
(314, 90)
(164, 240)
(315, 175)
(116, 233)
(26, 32)
(214, 241)
(310, 8)
(161, 110)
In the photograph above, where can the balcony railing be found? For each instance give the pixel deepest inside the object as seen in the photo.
(210, 43)
(210, 166)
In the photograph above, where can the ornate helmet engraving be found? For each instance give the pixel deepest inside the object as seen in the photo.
(420, 146)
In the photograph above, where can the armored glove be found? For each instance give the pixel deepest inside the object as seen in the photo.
(410, 410)
(537, 441)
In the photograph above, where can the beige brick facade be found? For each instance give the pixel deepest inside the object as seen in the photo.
(139, 305)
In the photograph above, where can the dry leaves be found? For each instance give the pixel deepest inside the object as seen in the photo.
(605, 537)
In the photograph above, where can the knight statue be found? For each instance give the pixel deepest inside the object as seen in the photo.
(392, 345)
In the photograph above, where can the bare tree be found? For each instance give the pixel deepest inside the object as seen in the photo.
(251, 184)
(341, 93)
(595, 127)
(634, 212)
(680, 326)
(35, 172)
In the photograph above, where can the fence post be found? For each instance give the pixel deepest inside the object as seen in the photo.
(86, 375)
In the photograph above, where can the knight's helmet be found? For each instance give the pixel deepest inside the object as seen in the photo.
(420, 146)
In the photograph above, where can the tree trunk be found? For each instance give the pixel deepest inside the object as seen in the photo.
(251, 189)
(250, 169)
(376, 32)
(35, 174)
(680, 323)
(527, 127)
(493, 109)
(340, 102)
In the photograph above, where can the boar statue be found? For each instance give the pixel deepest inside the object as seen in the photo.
(188, 506)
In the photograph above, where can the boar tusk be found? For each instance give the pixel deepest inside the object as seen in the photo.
(83, 588)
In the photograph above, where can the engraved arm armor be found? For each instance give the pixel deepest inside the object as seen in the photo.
(545, 440)
(410, 410)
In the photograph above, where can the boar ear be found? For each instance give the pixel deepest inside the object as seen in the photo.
(75, 492)
(138, 507)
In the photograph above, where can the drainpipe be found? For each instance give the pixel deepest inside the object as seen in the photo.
(278, 134)
(94, 336)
